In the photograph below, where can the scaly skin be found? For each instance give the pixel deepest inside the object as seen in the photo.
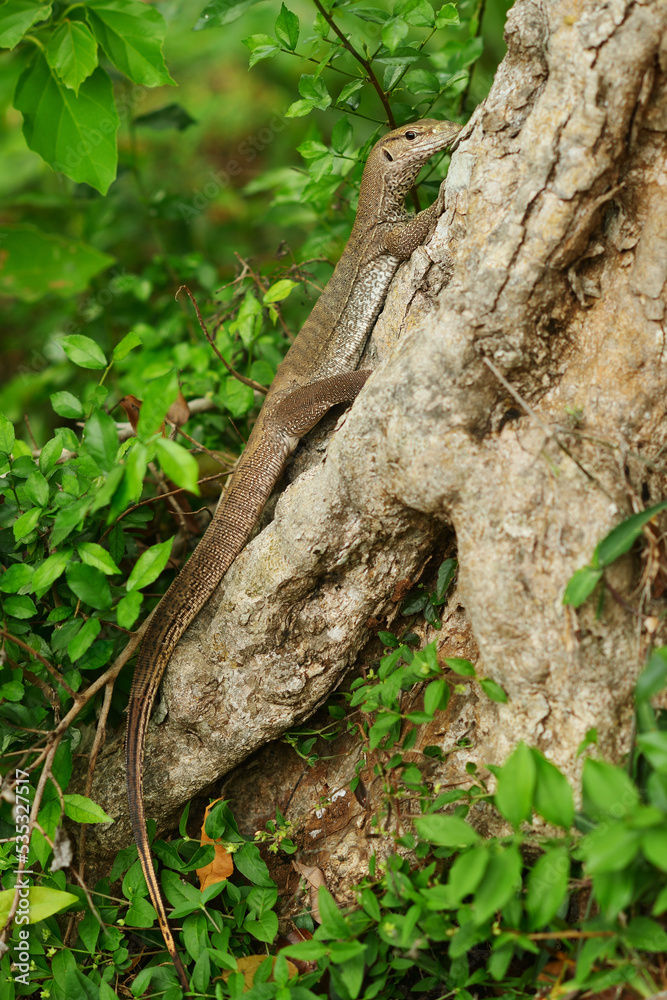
(318, 372)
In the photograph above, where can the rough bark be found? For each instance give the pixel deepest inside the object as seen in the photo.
(555, 240)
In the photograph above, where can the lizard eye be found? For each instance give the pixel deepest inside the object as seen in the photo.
(410, 135)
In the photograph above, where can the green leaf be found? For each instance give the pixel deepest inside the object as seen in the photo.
(49, 455)
(314, 89)
(19, 607)
(16, 577)
(220, 12)
(446, 831)
(654, 747)
(72, 52)
(349, 90)
(385, 722)
(140, 914)
(48, 571)
(645, 934)
(178, 464)
(447, 14)
(16, 17)
(250, 863)
(466, 874)
(610, 848)
(419, 13)
(547, 886)
(279, 291)
(402, 56)
(149, 565)
(460, 666)
(131, 33)
(607, 790)
(623, 537)
(26, 523)
(69, 518)
(42, 903)
(159, 396)
(516, 785)
(235, 396)
(261, 47)
(581, 585)
(350, 972)
(94, 555)
(84, 639)
(333, 924)
(100, 439)
(127, 344)
(370, 904)
(37, 489)
(654, 846)
(117, 543)
(501, 881)
(653, 677)
(308, 951)
(393, 33)
(264, 928)
(553, 795)
(74, 133)
(66, 405)
(493, 690)
(128, 608)
(341, 135)
(36, 264)
(436, 696)
(299, 108)
(131, 484)
(446, 573)
(613, 891)
(12, 691)
(421, 81)
(83, 351)
(89, 585)
(84, 810)
(287, 28)
(7, 436)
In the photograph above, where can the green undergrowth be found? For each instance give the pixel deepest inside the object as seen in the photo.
(579, 903)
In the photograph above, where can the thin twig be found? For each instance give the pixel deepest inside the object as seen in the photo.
(362, 62)
(31, 435)
(161, 496)
(57, 676)
(199, 446)
(246, 381)
(98, 742)
(259, 284)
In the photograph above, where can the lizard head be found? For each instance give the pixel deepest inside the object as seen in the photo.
(400, 155)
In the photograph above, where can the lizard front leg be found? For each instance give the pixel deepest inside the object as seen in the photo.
(403, 238)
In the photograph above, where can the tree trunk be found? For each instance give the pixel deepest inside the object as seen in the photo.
(521, 400)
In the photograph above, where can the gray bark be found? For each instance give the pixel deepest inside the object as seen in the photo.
(555, 239)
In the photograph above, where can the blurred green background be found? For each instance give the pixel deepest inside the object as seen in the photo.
(226, 180)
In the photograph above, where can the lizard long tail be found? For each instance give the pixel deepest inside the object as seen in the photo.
(225, 537)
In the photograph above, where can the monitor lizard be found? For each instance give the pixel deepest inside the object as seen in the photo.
(319, 371)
